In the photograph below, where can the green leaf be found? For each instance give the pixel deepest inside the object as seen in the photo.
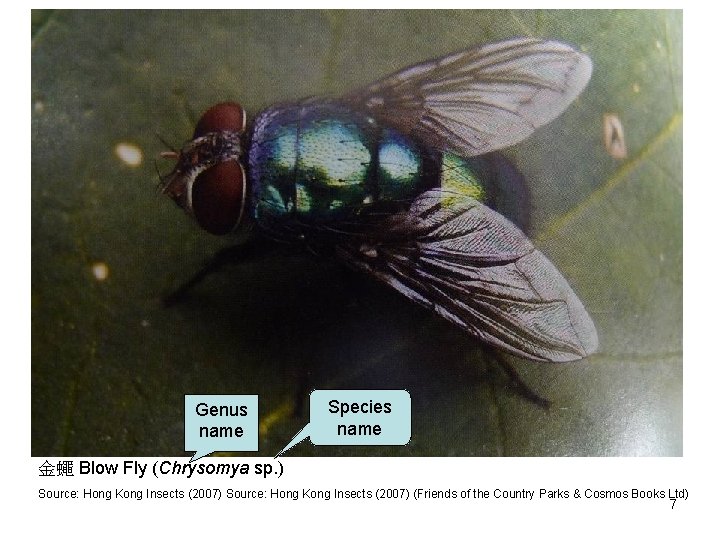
(110, 365)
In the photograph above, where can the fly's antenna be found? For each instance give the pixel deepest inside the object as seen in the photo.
(161, 178)
(170, 153)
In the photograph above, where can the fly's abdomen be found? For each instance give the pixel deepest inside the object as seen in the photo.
(321, 163)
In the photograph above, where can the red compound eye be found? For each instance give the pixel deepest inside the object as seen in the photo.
(227, 116)
(218, 195)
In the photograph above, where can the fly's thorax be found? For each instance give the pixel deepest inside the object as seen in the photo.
(320, 163)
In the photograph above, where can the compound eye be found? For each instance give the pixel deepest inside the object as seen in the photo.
(227, 116)
(218, 196)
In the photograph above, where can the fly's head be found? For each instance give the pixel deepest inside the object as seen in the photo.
(208, 180)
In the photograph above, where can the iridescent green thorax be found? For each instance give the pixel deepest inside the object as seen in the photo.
(319, 163)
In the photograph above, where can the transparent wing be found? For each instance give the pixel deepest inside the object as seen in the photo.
(481, 99)
(476, 269)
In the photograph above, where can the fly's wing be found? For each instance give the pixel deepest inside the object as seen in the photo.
(481, 99)
(476, 269)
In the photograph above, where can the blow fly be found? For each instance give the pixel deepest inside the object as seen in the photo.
(381, 177)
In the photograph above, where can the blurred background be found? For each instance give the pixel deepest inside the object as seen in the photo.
(111, 365)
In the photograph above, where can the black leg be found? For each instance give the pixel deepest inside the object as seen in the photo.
(254, 247)
(520, 387)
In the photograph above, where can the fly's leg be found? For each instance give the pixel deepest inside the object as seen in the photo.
(519, 386)
(303, 390)
(256, 246)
